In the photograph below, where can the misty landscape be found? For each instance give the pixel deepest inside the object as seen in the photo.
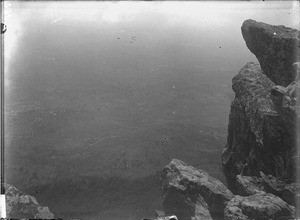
(100, 96)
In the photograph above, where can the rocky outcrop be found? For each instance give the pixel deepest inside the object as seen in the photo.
(20, 206)
(250, 185)
(257, 136)
(258, 206)
(276, 48)
(259, 157)
(260, 154)
(192, 193)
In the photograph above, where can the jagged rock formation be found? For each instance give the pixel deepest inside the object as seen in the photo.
(192, 193)
(250, 185)
(258, 206)
(257, 136)
(259, 157)
(276, 48)
(20, 206)
(260, 154)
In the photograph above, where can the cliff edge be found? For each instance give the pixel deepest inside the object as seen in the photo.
(262, 122)
(259, 159)
(258, 139)
(275, 47)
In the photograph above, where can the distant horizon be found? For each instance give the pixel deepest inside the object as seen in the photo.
(112, 11)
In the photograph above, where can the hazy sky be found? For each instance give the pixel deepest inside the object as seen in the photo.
(209, 14)
(213, 18)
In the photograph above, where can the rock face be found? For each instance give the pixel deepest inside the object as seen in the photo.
(257, 136)
(276, 48)
(250, 185)
(192, 193)
(259, 157)
(19, 205)
(258, 206)
(261, 139)
(285, 103)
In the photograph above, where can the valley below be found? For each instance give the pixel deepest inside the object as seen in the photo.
(103, 150)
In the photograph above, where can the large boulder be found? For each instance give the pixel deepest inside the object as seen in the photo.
(259, 207)
(276, 48)
(20, 205)
(190, 192)
(258, 139)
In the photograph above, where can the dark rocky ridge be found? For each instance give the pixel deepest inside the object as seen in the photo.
(262, 123)
(256, 132)
(258, 206)
(250, 185)
(276, 48)
(192, 194)
(259, 159)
